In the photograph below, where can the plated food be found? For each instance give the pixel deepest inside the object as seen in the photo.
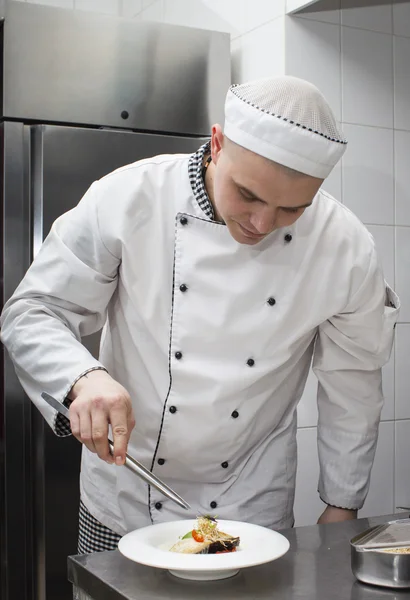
(242, 545)
(206, 538)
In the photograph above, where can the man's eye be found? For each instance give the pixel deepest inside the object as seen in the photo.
(247, 197)
(290, 210)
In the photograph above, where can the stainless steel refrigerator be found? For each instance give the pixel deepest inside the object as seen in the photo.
(81, 94)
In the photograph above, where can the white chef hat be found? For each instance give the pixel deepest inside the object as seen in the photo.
(287, 120)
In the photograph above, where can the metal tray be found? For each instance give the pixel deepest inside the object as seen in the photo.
(374, 566)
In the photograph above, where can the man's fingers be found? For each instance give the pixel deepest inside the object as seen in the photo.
(85, 430)
(131, 422)
(99, 431)
(99, 402)
(120, 425)
(75, 423)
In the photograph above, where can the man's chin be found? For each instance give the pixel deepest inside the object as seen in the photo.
(247, 241)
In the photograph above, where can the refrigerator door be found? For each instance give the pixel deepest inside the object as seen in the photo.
(65, 161)
(16, 573)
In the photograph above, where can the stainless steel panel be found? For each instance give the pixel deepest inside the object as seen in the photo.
(17, 578)
(72, 158)
(85, 68)
(65, 161)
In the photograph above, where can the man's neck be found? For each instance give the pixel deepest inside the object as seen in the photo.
(209, 186)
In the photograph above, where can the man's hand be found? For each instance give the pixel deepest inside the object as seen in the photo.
(336, 515)
(97, 402)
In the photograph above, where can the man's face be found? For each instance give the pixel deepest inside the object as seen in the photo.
(253, 195)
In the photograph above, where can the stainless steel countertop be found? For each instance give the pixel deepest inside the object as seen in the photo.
(317, 567)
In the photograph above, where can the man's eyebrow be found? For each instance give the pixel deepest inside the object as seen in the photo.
(295, 207)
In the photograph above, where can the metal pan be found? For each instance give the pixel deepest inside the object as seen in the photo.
(375, 566)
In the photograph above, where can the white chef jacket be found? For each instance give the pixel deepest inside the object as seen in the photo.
(213, 340)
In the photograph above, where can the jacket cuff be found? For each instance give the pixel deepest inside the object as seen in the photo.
(346, 460)
(339, 507)
(61, 425)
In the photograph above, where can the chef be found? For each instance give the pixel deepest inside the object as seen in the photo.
(217, 279)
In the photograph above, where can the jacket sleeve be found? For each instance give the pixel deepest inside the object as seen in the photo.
(350, 350)
(63, 297)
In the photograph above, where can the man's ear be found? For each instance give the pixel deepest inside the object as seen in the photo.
(217, 142)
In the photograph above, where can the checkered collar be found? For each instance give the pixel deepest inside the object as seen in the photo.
(197, 182)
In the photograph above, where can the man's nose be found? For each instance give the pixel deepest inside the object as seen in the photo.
(263, 222)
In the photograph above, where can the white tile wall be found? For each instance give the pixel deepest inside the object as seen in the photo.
(207, 14)
(401, 18)
(376, 16)
(258, 12)
(259, 53)
(109, 7)
(153, 12)
(403, 271)
(315, 56)
(308, 506)
(57, 3)
(293, 5)
(389, 389)
(401, 180)
(367, 59)
(402, 371)
(402, 82)
(326, 11)
(368, 178)
(220, 15)
(131, 8)
(402, 475)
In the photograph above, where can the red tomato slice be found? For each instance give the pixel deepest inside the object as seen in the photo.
(198, 537)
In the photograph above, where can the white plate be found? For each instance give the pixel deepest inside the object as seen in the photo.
(150, 546)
